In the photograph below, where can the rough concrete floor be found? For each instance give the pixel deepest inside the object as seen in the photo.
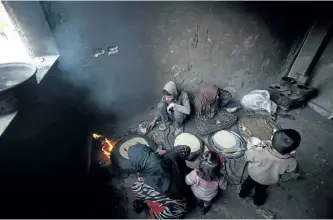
(306, 198)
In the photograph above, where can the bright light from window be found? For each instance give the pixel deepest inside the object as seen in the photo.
(12, 48)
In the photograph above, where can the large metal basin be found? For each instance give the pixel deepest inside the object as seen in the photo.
(14, 81)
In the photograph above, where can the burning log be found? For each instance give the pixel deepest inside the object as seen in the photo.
(105, 150)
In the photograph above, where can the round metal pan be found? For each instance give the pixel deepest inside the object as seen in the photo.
(234, 152)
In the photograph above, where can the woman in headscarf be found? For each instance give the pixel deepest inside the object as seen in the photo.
(207, 101)
(160, 185)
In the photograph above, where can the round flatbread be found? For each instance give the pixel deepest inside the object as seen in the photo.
(123, 149)
(224, 139)
(189, 140)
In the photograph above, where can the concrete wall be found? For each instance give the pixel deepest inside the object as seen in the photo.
(30, 23)
(43, 152)
(323, 81)
(44, 146)
(241, 45)
(44, 159)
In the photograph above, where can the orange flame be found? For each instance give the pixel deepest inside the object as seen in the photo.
(107, 145)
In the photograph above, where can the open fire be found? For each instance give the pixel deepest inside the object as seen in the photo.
(106, 148)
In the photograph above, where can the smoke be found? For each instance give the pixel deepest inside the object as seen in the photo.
(117, 81)
(237, 45)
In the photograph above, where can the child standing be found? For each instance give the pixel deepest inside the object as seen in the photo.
(270, 165)
(206, 180)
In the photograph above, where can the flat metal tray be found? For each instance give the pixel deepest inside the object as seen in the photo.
(240, 143)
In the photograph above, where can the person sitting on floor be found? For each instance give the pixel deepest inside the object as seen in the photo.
(160, 186)
(173, 106)
(207, 101)
(206, 180)
(271, 164)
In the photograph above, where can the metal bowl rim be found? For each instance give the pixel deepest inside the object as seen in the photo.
(31, 65)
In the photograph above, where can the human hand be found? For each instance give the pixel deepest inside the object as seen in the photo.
(223, 184)
(170, 108)
(286, 177)
(151, 125)
(161, 152)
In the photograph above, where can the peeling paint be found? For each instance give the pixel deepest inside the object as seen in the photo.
(112, 50)
(98, 52)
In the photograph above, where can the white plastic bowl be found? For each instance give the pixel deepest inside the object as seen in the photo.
(252, 141)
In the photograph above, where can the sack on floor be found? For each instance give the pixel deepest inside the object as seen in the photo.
(259, 100)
